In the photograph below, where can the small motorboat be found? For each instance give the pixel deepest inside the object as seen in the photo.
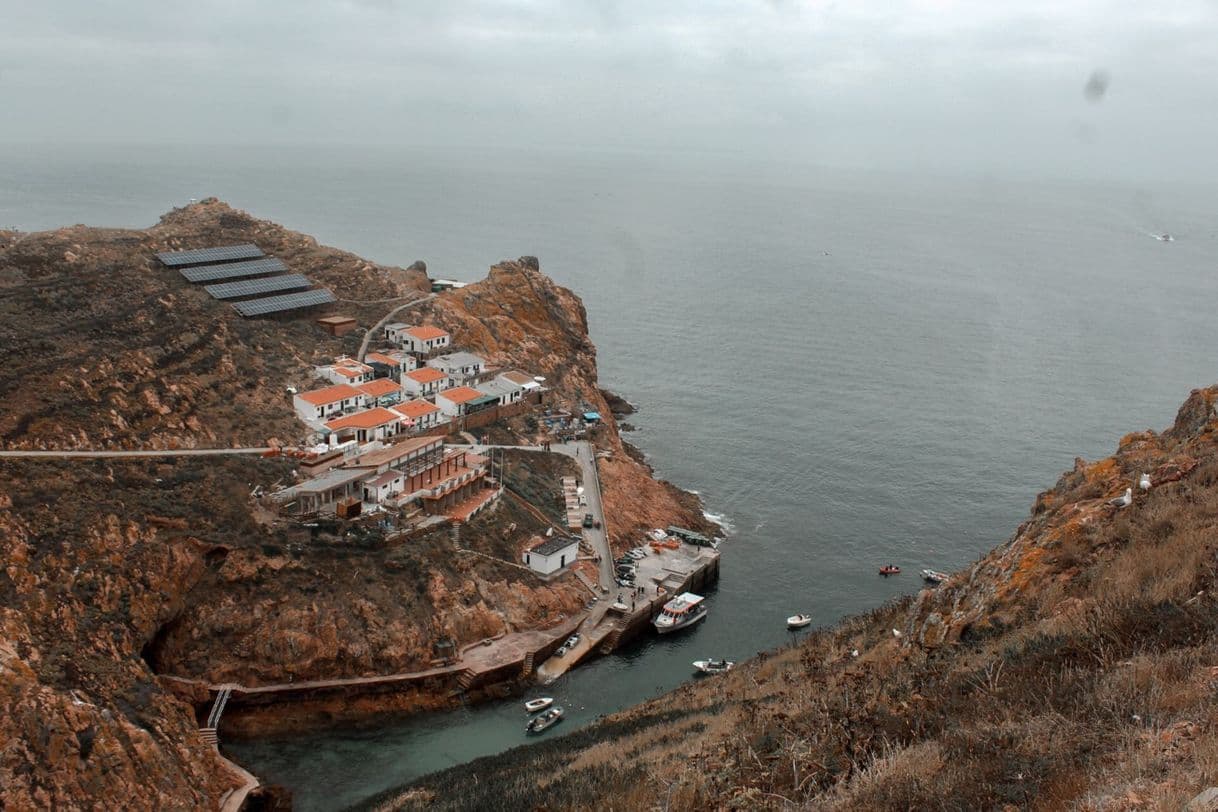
(890, 569)
(538, 704)
(799, 621)
(713, 666)
(544, 721)
(934, 577)
(1165, 237)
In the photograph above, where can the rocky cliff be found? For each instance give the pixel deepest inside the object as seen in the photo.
(117, 570)
(1074, 666)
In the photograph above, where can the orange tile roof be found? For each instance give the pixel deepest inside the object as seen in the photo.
(414, 409)
(462, 394)
(425, 333)
(426, 375)
(381, 358)
(329, 394)
(379, 388)
(368, 419)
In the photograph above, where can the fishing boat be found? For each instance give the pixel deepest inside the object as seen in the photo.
(544, 721)
(684, 610)
(934, 577)
(799, 621)
(890, 569)
(713, 666)
(538, 704)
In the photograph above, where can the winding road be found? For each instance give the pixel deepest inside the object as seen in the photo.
(376, 328)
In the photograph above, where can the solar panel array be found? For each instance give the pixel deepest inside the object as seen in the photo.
(256, 287)
(234, 270)
(289, 301)
(204, 256)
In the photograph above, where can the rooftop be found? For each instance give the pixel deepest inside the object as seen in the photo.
(367, 419)
(553, 545)
(497, 387)
(395, 452)
(329, 394)
(414, 409)
(380, 387)
(382, 358)
(397, 325)
(425, 333)
(426, 375)
(516, 376)
(334, 478)
(456, 359)
(461, 394)
(335, 320)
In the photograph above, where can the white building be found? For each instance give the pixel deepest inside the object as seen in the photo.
(422, 340)
(506, 392)
(382, 391)
(425, 381)
(463, 400)
(346, 370)
(521, 379)
(318, 404)
(552, 555)
(460, 366)
(363, 427)
(393, 363)
(419, 414)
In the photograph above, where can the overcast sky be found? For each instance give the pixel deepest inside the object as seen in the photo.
(854, 83)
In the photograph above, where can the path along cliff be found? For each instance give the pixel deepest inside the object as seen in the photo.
(116, 570)
(1074, 666)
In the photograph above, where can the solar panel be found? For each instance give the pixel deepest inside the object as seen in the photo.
(289, 301)
(234, 270)
(202, 256)
(256, 287)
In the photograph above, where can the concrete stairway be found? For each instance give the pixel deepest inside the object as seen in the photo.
(217, 708)
(465, 679)
(209, 736)
(611, 641)
(528, 665)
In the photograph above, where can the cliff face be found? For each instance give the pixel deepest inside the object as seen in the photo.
(1074, 666)
(118, 570)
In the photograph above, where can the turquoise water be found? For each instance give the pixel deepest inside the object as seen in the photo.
(851, 368)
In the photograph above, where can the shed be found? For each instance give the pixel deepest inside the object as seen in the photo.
(552, 555)
(337, 325)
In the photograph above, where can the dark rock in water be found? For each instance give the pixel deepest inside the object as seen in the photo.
(617, 404)
(418, 265)
(625, 427)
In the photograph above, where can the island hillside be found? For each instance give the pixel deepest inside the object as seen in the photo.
(132, 586)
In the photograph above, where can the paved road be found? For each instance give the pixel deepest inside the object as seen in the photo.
(179, 452)
(376, 328)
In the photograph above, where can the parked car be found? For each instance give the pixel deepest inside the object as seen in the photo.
(572, 641)
(587, 520)
(562, 651)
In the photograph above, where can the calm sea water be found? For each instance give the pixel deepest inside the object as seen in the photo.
(851, 368)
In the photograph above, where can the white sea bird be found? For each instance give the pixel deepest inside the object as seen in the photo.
(1144, 482)
(1123, 501)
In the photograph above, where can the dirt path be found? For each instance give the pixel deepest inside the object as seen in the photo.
(376, 328)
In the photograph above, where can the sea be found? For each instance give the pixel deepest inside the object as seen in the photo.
(851, 367)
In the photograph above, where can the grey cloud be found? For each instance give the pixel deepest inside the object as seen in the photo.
(874, 83)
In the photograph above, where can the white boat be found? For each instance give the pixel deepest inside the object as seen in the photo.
(799, 621)
(934, 577)
(684, 610)
(713, 666)
(538, 704)
(546, 720)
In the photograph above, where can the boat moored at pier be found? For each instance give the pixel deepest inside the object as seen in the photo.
(684, 610)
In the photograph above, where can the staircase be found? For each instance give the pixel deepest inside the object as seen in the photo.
(610, 642)
(217, 708)
(527, 670)
(456, 534)
(465, 679)
(209, 736)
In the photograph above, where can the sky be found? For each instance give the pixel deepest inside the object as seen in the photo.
(1089, 87)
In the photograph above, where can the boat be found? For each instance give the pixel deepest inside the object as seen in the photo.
(934, 577)
(538, 704)
(890, 569)
(684, 610)
(1165, 237)
(713, 666)
(544, 721)
(799, 621)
